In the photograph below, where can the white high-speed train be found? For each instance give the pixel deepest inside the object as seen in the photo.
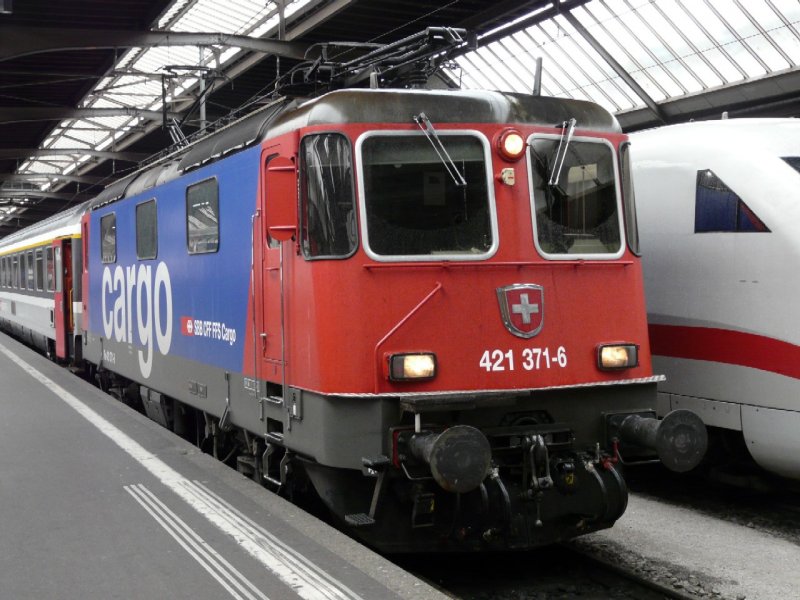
(719, 218)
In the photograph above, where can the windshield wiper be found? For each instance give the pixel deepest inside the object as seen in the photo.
(427, 128)
(568, 128)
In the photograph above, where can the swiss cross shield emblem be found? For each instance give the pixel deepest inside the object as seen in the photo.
(522, 308)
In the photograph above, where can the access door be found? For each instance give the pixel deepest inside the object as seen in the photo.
(59, 282)
(280, 183)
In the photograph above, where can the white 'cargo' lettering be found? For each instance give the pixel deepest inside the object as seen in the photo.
(133, 290)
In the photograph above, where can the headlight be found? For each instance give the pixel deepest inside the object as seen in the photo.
(405, 367)
(617, 356)
(511, 144)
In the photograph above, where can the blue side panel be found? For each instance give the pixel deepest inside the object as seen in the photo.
(189, 305)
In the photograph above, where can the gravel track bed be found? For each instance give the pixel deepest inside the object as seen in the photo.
(558, 572)
(758, 506)
(746, 497)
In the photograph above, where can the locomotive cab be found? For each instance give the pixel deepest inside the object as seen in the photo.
(483, 305)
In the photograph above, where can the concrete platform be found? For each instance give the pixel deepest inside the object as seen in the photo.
(98, 502)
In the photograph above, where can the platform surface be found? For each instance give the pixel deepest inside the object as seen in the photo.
(98, 502)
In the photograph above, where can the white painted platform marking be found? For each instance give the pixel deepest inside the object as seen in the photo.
(295, 570)
(220, 569)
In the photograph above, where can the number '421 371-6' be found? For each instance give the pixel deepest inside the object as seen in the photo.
(529, 359)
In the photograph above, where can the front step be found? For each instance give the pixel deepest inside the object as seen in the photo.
(359, 520)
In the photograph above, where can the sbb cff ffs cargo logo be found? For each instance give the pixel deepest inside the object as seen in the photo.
(522, 308)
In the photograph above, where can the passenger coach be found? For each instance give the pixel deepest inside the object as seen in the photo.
(40, 298)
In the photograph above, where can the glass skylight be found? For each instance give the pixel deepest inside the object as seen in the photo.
(670, 48)
(136, 80)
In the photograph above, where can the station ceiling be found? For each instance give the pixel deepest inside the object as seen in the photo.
(88, 88)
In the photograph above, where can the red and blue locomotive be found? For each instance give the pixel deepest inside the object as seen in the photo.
(425, 305)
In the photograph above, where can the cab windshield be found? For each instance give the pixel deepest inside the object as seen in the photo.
(575, 205)
(415, 208)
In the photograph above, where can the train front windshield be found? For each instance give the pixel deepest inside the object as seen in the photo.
(415, 207)
(575, 201)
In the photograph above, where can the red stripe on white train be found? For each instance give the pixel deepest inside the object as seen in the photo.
(726, 346)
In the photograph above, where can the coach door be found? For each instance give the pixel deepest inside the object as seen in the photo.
(59, 281)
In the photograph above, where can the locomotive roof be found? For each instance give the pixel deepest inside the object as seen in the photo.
(444, 106)
(363, 106)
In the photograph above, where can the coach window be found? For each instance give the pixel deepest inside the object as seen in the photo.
(3, 272)
(146, 230)
(30, 274)
(327, 205)
(719, 209)
(108, 238)
(575, 199)
(422, 206)
(50, 266)
(39, 258)
(14, 271)
(202, 217)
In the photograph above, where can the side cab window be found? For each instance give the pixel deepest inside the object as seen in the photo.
(327, 203)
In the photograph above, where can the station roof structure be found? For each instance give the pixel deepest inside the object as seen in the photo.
(88, 88)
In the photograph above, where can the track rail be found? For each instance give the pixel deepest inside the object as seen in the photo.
(664, 590)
